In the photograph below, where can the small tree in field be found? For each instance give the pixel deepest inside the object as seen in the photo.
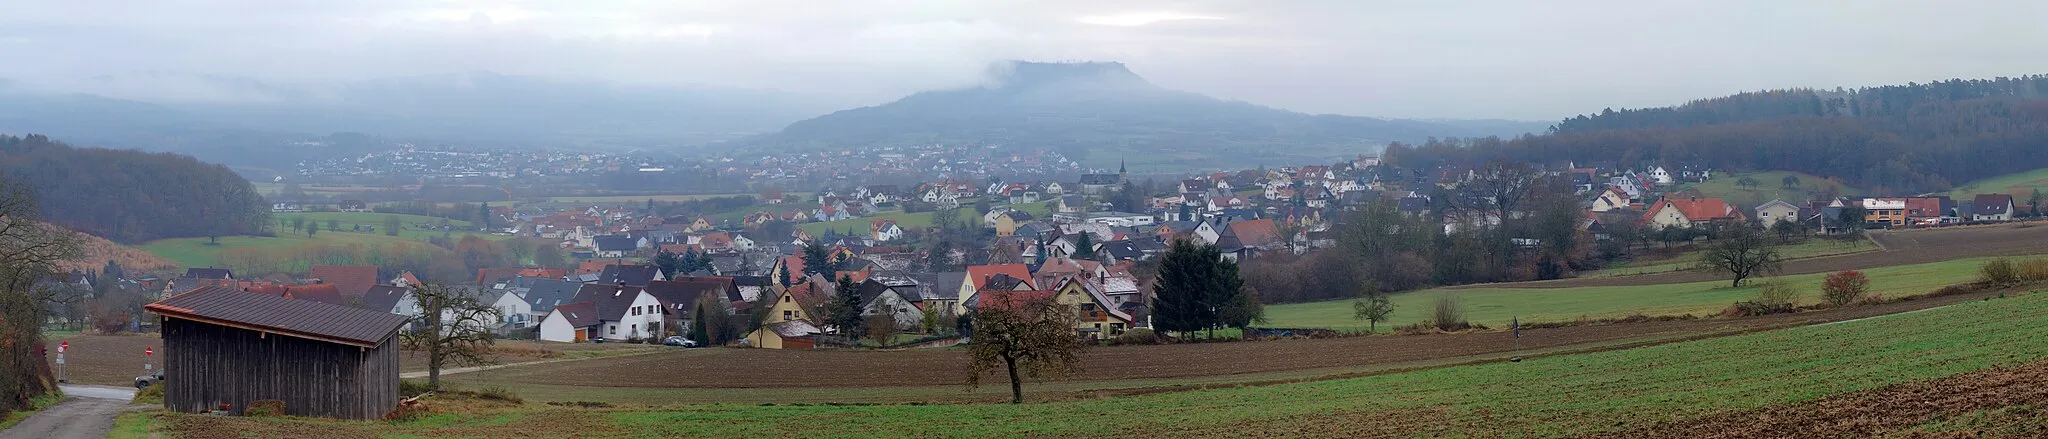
(1742, 252)
(1372, 307)
(1034, 339)
(1843, 288)
(1449, 314)
(881, 327)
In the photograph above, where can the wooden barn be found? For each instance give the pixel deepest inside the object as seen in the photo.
(227, 346)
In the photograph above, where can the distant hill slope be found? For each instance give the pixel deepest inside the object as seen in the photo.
(1890, 140)
(245, 122)
(132, 196)
(94, 252)
(1078, 107)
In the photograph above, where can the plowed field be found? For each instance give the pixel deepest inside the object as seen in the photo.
(1991, 403)
(1267, 361)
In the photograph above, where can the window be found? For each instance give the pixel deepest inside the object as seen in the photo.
(786, 314)
(612, 330)
(636, 310)
(785, 299)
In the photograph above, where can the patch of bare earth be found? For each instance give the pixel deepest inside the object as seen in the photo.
(763, 368)
(1898, 410)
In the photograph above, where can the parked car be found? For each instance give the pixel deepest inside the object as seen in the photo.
(679, 341)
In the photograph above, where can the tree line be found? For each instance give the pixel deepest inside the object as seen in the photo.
(131, 196)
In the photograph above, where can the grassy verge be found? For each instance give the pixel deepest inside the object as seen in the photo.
(35, 404)
(1543, 397)
(134, 425)
(1495, 306)
(1770, 186)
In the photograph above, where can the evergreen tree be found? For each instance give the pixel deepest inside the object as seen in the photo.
(1194, 285)
(817, 260)
(668, 263)
(697, 331)
(1084, 247)
(1041, 253)
(786, 279)
(845, 307)
(483, 215)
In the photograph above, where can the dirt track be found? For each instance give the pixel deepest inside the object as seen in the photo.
(1903, 247)
(1891, 410)
(761, 368)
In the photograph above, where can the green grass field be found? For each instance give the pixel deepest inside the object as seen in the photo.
(2020, 185)
(1494, 307)
(194, 252)
(1770, 186)
(1812, 248)
(414, 226)
(1557, 396)
(612, 199)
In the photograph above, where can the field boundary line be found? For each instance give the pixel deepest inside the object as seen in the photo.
(446, 372)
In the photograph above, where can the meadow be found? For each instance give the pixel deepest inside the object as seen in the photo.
(1770, 186)
(2021, 185)
(1554, 396)
(1687, 260)
(1495, 306)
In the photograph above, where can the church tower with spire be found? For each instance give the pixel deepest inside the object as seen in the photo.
(1122, 174)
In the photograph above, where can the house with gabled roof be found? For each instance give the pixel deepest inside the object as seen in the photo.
(1992, 207)
(1776, 211)
(789, 323)
(1099, 317)
(978, 278)
(352, 280)
(1688, 212)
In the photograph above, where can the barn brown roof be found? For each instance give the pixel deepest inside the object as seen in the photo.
(353, 280)
(297, 318)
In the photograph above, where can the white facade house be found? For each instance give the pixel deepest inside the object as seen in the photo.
(907, 314)
(1660, 177)
(514, 311)
(641, 319)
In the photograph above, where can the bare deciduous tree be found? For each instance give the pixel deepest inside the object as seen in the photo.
(1742, 252)
(29, 251)
(454, 329)
(1034, 339)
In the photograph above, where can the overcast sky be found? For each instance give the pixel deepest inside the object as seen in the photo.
(1534, 60)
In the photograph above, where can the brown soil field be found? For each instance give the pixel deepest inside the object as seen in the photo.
(1324, 358)
(1900, 247)
(112, 360)
(2000, 402)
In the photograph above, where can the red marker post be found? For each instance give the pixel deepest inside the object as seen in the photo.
(148, 360)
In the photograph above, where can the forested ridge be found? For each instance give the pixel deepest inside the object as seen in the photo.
(1912, 138)
(132, 196)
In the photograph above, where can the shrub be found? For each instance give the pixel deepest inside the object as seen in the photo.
(1772, 298)
(154, 394)
(1845, 287)
(2034, 270)
(1999, 271)
(1137, 336)
(265, 408)
(1448, 314)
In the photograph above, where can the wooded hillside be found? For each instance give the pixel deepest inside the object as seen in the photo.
(132, 196)
(1911, 138)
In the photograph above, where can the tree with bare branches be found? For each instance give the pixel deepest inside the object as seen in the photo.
(29, 252)
(454, 328)
(1742, 252)
(1028, 339)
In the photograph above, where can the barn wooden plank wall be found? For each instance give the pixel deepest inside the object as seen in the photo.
(206, 365)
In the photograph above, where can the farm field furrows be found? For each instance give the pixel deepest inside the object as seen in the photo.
(1560, 396)
(737, 375)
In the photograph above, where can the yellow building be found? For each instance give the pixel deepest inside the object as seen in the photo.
(788, 325)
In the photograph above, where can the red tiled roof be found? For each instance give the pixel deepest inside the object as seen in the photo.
(1697, 209)
(980, 273)
(353, 280)
(1258, 232)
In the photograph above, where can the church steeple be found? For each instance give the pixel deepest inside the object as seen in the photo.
(1120, 171)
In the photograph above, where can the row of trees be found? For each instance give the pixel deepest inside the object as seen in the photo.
(456, 263)
(131, 196)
